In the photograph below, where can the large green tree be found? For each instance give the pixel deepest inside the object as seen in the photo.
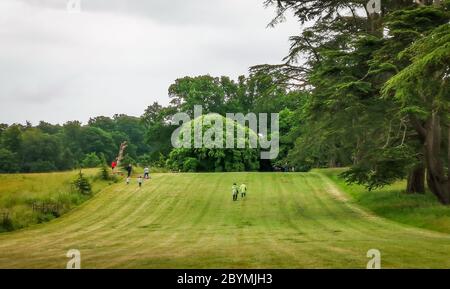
(343, 60)
(423, 91)
(214, 155)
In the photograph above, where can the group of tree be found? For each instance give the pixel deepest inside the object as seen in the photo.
(215, 156)
(377, 87)
(257, 93)
(47, 147)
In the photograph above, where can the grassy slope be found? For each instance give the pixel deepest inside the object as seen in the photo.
(19, 191)
(422, 211)
(290, 220)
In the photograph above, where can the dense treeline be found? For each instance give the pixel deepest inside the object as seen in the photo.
(47, 147)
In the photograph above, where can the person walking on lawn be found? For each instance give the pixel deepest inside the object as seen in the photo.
(235, 191)
(243, 189)
(146, 173)
(129, 170)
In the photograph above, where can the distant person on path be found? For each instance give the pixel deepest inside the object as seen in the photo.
(140, 180)
(146, 173)
(129, 170)
(243, 189)
(235, 191)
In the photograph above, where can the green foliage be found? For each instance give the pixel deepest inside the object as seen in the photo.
(426, 78)
(96, 140)
(128, 160)
(91, 161)
(382, 167)
(9, 163)
(158, 129)
(103, 122)
(258, 93)
(48, 128)
(12, 138)
(82, 185)
(40, 152)
(190, 165)
(48, 147)
(212, 158)
(67, 160)
(206, 90)
(42, 166)
(352, 66)
(104, 172)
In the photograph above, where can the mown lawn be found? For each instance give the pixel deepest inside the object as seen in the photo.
(292, 220)
(391, 202)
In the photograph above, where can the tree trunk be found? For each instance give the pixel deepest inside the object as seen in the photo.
(375, 25)
(437, 178)
(332, 162)
(448, 162)
(416, 180)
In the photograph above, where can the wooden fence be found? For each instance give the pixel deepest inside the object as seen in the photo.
(5, 216)
(47, 207)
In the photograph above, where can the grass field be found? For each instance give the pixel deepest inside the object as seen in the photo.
(19, 191)
(391, 202)
(295, 220)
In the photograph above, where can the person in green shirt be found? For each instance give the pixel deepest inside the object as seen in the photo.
(235, 191)
(243, 189)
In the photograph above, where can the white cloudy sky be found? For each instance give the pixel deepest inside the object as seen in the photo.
(118, 56)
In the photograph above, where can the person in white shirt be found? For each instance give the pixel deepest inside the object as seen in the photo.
(146, 173)
(243, 189)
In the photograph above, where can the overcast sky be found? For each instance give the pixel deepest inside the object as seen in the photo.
(119, 56)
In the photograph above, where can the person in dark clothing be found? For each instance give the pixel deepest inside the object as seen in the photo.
(129, 170)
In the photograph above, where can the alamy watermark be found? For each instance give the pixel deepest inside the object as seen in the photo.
(374, 7)
(75, 259)
(236, 130)
(375, 261)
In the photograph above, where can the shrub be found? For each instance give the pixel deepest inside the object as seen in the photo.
(104, 173)
(190, 165)
(43, 218)
(91, 161)
(82, 185)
